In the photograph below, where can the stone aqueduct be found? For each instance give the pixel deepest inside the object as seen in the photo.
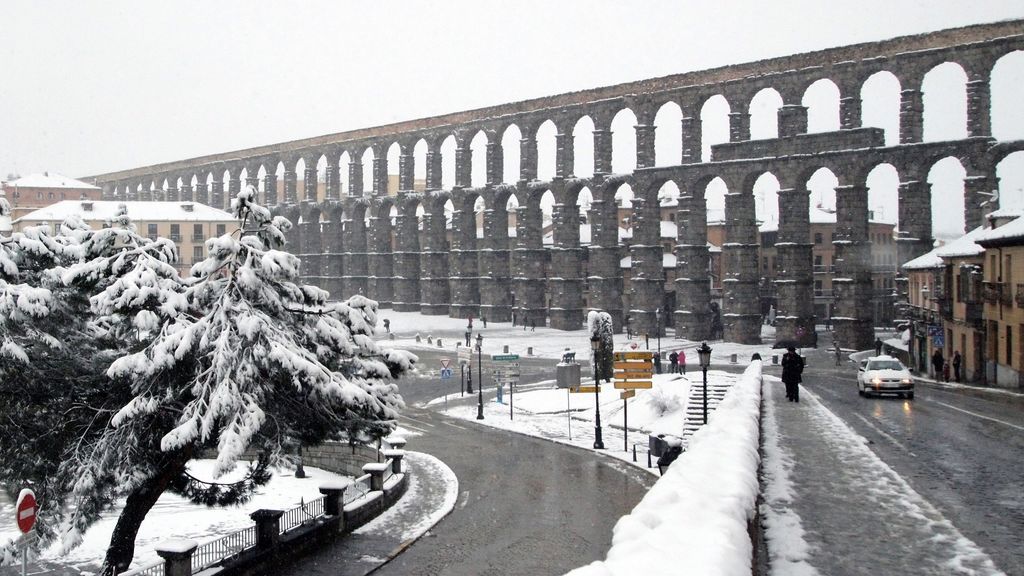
(350, 243)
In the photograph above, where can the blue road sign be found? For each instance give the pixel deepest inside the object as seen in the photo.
(446, 373)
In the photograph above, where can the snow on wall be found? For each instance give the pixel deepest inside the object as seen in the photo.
(694, 520)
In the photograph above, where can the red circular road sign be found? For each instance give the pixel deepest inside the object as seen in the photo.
(25, 511)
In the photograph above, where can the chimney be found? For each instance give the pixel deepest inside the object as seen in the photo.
(87, 206)
(187, 207)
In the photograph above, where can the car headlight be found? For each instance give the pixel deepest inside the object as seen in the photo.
(876, 380)
(906, 380)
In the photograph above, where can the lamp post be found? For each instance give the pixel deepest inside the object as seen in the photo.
(704, 353)
(595, 345)
(657, 319)
(480, 376)
(469, 377)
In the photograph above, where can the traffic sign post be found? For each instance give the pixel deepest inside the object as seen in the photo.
(25, 515)
(507, 372)
(633, 371)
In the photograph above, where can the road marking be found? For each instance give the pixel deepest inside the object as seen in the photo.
(427, 424)
(1021, 428)
(465, 499)
(453, 425)
(885, 435)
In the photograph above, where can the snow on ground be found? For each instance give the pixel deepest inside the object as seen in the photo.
(715, 481)
(546, 342)
(173, 517)
(418, 497)
(788, 552)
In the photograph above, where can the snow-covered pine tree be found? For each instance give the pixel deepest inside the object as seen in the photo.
(238, 356)
(600, 324)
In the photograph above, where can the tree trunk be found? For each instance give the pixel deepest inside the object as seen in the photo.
(122, 542)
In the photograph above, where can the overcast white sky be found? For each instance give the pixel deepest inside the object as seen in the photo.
(90, 87)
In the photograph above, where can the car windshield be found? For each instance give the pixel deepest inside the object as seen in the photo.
(885, 365)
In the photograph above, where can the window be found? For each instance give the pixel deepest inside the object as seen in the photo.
(197, 254)
(197, 233)
(817, 287)
(151, 231)
(175, 232)
(221, 228)
(817, 260)
(817, 238)
(775, 264)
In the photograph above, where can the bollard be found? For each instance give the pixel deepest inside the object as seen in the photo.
(418, 338)
(634, 452)
(376, 471)
(177, 555)
(732, 358)
(504, 349)
(529, 351)
(648, 458)
(439, 345)
(775, 358)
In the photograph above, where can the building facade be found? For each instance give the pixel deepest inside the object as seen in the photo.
(36, 191)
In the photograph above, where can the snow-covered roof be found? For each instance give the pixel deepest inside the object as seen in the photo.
(50, 180)
(925, 262)
(153, 211)
(963, 246)
(1013, 230)
(1006, 213)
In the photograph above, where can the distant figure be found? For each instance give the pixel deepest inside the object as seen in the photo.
(468, 334)
(533, 325)
(957, 361)
(387, 325)
(792, 368)
(484, 320)
(470, 325)
(629, 329)
(937, 362)
(682, 361)
(673, 362)
(657, 362)
(838, 351)
(513, 319)
(878, 346)
(945, 371)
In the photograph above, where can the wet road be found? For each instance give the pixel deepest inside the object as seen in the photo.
(526, 505)
(965, 455)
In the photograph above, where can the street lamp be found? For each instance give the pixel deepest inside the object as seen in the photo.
(595, 345)
(469, 379)
(657, 318)
(704, 353)
(480, 376)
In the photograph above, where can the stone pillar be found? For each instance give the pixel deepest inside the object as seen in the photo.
(290, 177)
(186, 194)
(396, 457)
(406, 168)
(850, 107)
(380, 173)
(463, 166)
(528, 263)
(332, 255)
(433, 175)
(979, 106)
(739, 126)
(495, 276)
(381, 259)
(312, 244)
(177, 555)
(172, 191)
(332, 178)
(201, 194)
(915, 220)
(268, 528)
(355, 177)
(692, 133)
(792, 120)
(794, 283)
(911, 114)
(217, 191)
(463, 265)
(309, 182)
(334, 496)
(252, 178)
(647, 272)
(270, 189)
(564, 151)
(604, 275)
(376, 471)
(495, 160)
(528, 153)
(434, 288)
(234, 187)
(293, 237)
(406, 281)
(355, 257)
(146, 193)
(741, 305)
(853, 321)
(645, 155)
(602, 149)
(565, 283)
(693, 286)
(978, 201)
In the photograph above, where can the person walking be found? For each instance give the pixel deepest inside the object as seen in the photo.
(957, 362)
(838, 352)
(484, 320)
(533, 325)
(878, 346)
(682, 361)
(673, 362)
(792, 368)
(937, 362)
(387, 325)
(657, 362)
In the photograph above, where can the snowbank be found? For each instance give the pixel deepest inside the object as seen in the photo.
(694, 520)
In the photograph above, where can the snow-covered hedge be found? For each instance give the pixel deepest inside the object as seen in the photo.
(694, 520)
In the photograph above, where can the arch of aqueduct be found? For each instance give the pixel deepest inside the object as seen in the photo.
(395, 247)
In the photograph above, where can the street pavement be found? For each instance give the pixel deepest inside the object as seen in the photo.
(939, 489)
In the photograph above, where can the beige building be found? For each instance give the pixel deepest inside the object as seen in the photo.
(1003, 293)
(188, 224)
(36, 191)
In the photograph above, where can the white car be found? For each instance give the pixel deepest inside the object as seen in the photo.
(884, 375)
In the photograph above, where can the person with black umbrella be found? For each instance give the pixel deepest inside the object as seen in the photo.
(792, 367)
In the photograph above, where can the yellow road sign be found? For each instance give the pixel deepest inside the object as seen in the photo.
(640, 375)
(590, 389)
(634, 365)
(633, 385)
(627, 394)
(646, 355)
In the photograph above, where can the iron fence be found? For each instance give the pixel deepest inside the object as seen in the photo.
(154, 569)
(301, 514)
(227, 546)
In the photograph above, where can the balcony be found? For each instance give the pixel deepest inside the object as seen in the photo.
(975, 314)
(175, 238)
(992, 292)
(1020, 296)
(824, 269)
(199, 238)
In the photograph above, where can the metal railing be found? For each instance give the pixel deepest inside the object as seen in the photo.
(301, 514)
(1020, 296)
(154, 569)
(357, 489)
(992, 292)
(227, 546)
